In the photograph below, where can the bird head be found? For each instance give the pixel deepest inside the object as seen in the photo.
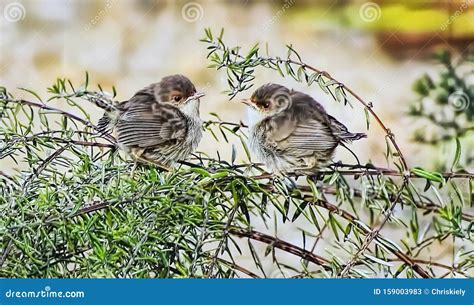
(270, 99)
(177, 90)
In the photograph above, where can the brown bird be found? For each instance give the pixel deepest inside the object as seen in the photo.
(291, 132)
(160, 124)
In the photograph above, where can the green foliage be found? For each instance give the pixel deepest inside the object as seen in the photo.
(446, 102)
(74, 206)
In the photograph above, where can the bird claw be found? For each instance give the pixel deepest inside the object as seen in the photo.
(335, 165)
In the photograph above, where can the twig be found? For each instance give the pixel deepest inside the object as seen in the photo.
(424, 205)
(425, 262)
(280, 244)
(239, 268)
(370, 172)
(62, 112)
(70, 141)
(224, 123)
(43, 165)
(50, 108)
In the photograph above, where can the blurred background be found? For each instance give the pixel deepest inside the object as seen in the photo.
(382, 50)
(376, 48)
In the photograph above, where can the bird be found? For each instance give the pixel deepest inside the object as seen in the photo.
(160, 124)
(290, 132)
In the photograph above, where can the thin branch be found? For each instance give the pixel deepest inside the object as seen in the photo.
(224, 123)
(371, 172)
(280, 244)
(63, 113)
(425, 262)
(50, 108)
(424, 205)
(43, 165)
(69, 141)
(239, 268)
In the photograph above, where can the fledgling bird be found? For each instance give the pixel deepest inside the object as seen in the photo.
(290, 132)
(160, 124)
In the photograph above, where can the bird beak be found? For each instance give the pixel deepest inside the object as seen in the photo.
(248, 102)
(198, 95)
(195, 96)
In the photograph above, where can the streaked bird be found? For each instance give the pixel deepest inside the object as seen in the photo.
(160, 124)
(290, 132)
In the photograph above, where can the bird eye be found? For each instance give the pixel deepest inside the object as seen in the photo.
(266, 105)
(177, 98)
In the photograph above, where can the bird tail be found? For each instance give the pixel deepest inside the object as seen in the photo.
(341, 132)
(349, 136)
(105, 123)
(102, 102)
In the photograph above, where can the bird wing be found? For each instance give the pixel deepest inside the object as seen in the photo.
(309, 135)
(146, 123)
(305, 126)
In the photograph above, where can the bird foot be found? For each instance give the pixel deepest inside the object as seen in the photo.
(335, 165)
